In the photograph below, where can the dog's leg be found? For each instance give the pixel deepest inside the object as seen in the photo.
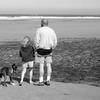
(11, 80)
(0, 81)
(10, 77)
(0, 78)
(5, 78)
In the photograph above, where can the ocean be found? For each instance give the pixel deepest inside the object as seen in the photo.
(65, 27)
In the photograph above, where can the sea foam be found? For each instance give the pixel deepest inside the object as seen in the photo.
(46, 17)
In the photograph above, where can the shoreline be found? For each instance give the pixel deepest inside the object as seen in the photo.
(59, 39)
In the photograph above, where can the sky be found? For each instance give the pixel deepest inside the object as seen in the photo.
(37, 7)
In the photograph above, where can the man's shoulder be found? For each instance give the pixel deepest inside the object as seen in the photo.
(45, 27)
(49, 29)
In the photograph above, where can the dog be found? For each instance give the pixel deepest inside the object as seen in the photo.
(7, 71)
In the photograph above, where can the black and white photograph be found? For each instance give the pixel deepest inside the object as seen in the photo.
(49, 49)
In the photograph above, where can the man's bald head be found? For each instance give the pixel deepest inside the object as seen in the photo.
(44, 22)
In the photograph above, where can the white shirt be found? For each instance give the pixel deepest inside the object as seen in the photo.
(45, 38)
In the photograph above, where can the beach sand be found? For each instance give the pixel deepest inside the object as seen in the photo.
(56, 91)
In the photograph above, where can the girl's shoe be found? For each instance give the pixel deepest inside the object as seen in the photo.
(12, 83)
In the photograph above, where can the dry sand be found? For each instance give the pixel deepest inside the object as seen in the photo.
(57, 91)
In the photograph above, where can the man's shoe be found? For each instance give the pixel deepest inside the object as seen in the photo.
(39, 83)
(20, 84)
(47, 83)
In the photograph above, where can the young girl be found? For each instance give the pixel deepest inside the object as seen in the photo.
(27, 53)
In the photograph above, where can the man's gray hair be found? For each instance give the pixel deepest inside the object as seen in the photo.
(44, 22)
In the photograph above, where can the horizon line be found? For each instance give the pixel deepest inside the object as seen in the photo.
(50, 15)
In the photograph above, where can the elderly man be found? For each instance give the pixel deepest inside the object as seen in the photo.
(45, 41)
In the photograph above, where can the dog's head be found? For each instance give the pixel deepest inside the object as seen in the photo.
(14, 67)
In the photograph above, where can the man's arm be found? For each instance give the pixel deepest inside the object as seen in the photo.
(54, 40)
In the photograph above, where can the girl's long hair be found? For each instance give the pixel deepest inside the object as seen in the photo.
(29, 40)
